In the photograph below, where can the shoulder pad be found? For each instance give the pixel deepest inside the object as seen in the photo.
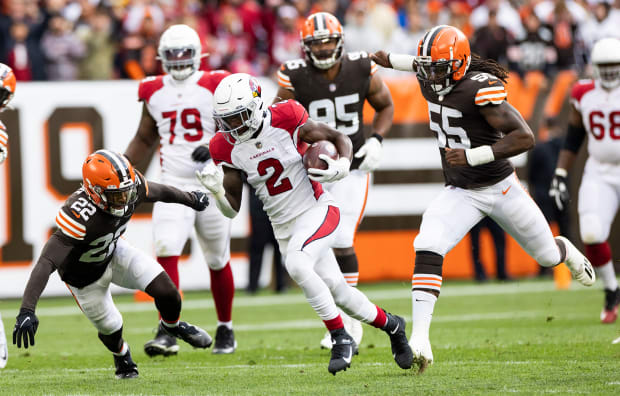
(580, 88)
(489, 89)
(210, 80)
(70, 223)
(288, 115)
(220, 149)
(149, 86)
(284, 80)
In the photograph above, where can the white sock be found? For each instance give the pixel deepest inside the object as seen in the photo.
(227, 324)
(607, 274)
(351, 278)
(422, 306)
(124, 349)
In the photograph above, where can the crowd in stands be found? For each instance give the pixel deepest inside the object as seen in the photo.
(106, 39)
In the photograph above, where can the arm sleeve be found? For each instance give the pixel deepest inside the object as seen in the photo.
(490, 91)
(284, 78)
(574, 138)
(164, 193)
(54, 253)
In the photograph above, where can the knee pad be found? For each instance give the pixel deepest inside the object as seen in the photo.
(298, 264)
(165, 247)
(214, 262)
(591, 229)
(549, 257)
(430, 239)
(108, 323)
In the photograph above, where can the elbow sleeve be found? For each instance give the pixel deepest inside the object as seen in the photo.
(574, 138)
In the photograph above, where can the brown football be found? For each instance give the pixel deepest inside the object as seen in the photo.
(311, 156)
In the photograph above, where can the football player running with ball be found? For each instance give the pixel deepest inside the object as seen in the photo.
(88, 252)
(333, 86)
(177, 115)
(595, 112)
(7, 90)
(477, 131)
(266, 145)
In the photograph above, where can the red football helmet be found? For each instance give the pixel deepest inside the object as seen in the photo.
(7, 85)
(319, 29)
(443, 58)
(110, 181)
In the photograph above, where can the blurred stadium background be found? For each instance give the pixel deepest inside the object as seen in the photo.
(78, 63)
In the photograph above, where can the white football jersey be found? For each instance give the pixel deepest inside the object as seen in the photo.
(600, 112)
(183, 111)
(272, 161)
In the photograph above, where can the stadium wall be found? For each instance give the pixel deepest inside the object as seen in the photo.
(54, 126)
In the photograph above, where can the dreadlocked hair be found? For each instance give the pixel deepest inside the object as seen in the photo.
(487, 66)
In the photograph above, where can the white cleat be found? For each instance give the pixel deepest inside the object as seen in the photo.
(579, 266)
(422, 353)
(326, 341)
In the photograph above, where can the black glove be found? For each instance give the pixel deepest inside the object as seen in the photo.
(201, 154)
(25, 328)
(200, 200)
(559, 189)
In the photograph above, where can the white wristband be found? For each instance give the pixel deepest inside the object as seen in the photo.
(561, 172)
(401, 61)
(223, 205)
(479, 155)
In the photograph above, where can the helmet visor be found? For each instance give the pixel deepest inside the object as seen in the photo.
(434, 71)
(323, 48)
(121, 198)
(609, 73)
(236, 123)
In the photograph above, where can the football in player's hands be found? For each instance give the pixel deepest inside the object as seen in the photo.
(311, 156)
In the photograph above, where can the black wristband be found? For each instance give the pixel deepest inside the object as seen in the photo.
(378, 137)
(574, 138)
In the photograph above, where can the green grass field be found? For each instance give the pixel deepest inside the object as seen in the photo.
(518, 337)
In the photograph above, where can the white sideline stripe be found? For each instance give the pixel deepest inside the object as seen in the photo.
(378, 295)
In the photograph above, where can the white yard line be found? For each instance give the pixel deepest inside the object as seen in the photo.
(294, 299)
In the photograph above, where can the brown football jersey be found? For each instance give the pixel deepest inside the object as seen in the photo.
(338, 103)
(456, 120)
(88, 235)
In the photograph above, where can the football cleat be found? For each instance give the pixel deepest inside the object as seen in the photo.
(342, 351)
(610, 310)
(401, 351)
(125, 366)
(352, 326)
(422, 353)
(579, 266)
(163, 344)
(224, 340)
(193, 335)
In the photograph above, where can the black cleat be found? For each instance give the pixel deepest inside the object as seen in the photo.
(224, 340)
(193, 335)
(163, 344)
(125, 366)
(342, 351)
(610, 309)
(395, 328)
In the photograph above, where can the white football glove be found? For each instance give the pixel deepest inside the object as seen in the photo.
(559, 189)
(372, 151)
(336, 170)
(4, 139)
(212, 177)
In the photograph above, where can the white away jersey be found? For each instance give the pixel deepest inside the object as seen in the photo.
(600, 112)
(272, 161)
(184, 115)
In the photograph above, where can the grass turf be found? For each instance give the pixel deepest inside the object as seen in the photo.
(518, 337)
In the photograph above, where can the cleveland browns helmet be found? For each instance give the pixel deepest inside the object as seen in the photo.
(238, 107)
(606, 62)
(180, 51)
(321, 28)
(7, 85)
(443, 58)
(110, 181)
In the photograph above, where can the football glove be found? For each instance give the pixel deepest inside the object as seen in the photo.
(559, 189)
(201, 154)
(25, 328)
(200, 200)
(212, 177)
(336, 170)
(371, 151)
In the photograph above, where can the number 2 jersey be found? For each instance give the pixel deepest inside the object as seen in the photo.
(600, 112)
(83, 245)
(338, 103)
(183, 111)
(457, 122)
(272, 162)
